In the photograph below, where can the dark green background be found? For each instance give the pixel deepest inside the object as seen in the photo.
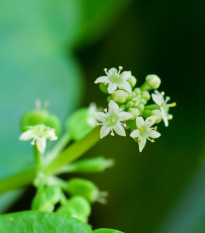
(162, 189)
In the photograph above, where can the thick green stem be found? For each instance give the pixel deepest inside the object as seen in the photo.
(69, 155)
(152, 107)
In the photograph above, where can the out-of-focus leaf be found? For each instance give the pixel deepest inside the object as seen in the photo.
(36, 222)
(103, 230)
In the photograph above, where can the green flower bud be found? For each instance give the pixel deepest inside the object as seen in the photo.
(120, 96)
(143, 101)
(85, 188)
(132, 81)
(98, 164)
(157, 113)
(135, 112)
(141, 107)
(46, 198)
(137, 91)
(76, 207)
(146, 95)
(103, 88)
(153, 81)
(129, 104)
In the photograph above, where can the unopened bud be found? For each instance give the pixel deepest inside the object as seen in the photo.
(146, 95)
(153, 81)
(120, 96)
(132, 81)
(135, 112)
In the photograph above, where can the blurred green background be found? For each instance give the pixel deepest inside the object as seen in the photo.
(54, 50)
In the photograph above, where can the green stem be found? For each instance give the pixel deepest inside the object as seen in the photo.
(37, 156)
(70, 154)
(152, 107)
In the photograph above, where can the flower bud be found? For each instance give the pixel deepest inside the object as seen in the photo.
(76, 207)
(141, 107)
(120, 96)
(38, 117)
(137, 91)
(132, 81)
(146, 95)
(135, 112)
(129, 104)
(98, 164)
(85, 188)
(153, 81)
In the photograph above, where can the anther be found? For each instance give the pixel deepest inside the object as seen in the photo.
(112, 134)
(155, 128)
(162, 93)
(152, 140)
(162, 104)
(139, 140)
(105, 69)
(105, 110)
(173, 104)
(170, 117)
(120, 67)
(140, 128)
(150, 120)
(105, 83)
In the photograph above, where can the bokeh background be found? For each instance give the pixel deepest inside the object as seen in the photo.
(54, 50)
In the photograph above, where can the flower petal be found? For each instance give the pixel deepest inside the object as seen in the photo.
(135, 133)
(29, 134)
(153, 134)
(125, 86)
(141, 142)
(119, 129)
(100, 116)
(157, 99)
(41, 144)
(164, 116)
(112, 71)
(124, 116)
(126, 75)
(151, 120)
(139, 122)
(113, 107)
(104, 131)
(102, 79)
(112, 87)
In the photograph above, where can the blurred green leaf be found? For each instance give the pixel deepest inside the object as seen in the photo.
(103, 230)
(36, 222)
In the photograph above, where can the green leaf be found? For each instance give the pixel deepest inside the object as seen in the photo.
(36, 222)
(104, 230)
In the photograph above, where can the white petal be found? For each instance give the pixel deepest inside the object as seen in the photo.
(104, 131)
(153, 134)
(139, 122)
(29, 134)
(41, 144)
(141, 142)
(157, 99)
(125, 86)
(151, 120)
(102, 79)
(100, 116)
(112, 87)
(113, 107)
(119, 129)
(124, 116)
(112, 71)
(164, 116)
(135, 133)
(126, 75)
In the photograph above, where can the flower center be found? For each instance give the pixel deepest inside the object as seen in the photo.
(143, 130)
(115, 78)
(40, 131)
(112, 120)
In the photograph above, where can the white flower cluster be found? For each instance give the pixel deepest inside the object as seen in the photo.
(39, 134)
(113, 119)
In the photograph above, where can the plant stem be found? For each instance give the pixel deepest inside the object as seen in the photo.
(37, 156)
(152, 107)
(69, 155)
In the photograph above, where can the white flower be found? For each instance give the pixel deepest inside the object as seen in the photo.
(116, 80)
(39, 134)
(144, 131)
(158, 98)
(111, 120)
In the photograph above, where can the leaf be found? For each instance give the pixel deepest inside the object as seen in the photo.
(104, 230)
(36, 222)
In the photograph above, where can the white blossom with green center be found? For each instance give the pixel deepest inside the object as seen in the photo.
(159, 99)
(115, 80)
(144, 131)
(39, 134)
(111, 120)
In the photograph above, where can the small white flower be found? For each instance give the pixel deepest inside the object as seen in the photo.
(116, 80)
(111, 120)
(39, 134)
(158, 98)
(144, 131)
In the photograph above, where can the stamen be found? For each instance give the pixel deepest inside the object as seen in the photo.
(139, 140)
(152, 140)
(105, 83)
(105, 110)
(150, 120)
(170, 117)
(106, 71)
(162, 93)
(120, 67)
(140, 128)
(162, 104)
(124, 125)
(173, 104)
(155, 128)
(112, 133)
(167, 98)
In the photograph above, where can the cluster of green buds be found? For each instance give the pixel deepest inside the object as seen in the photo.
(131, 104)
